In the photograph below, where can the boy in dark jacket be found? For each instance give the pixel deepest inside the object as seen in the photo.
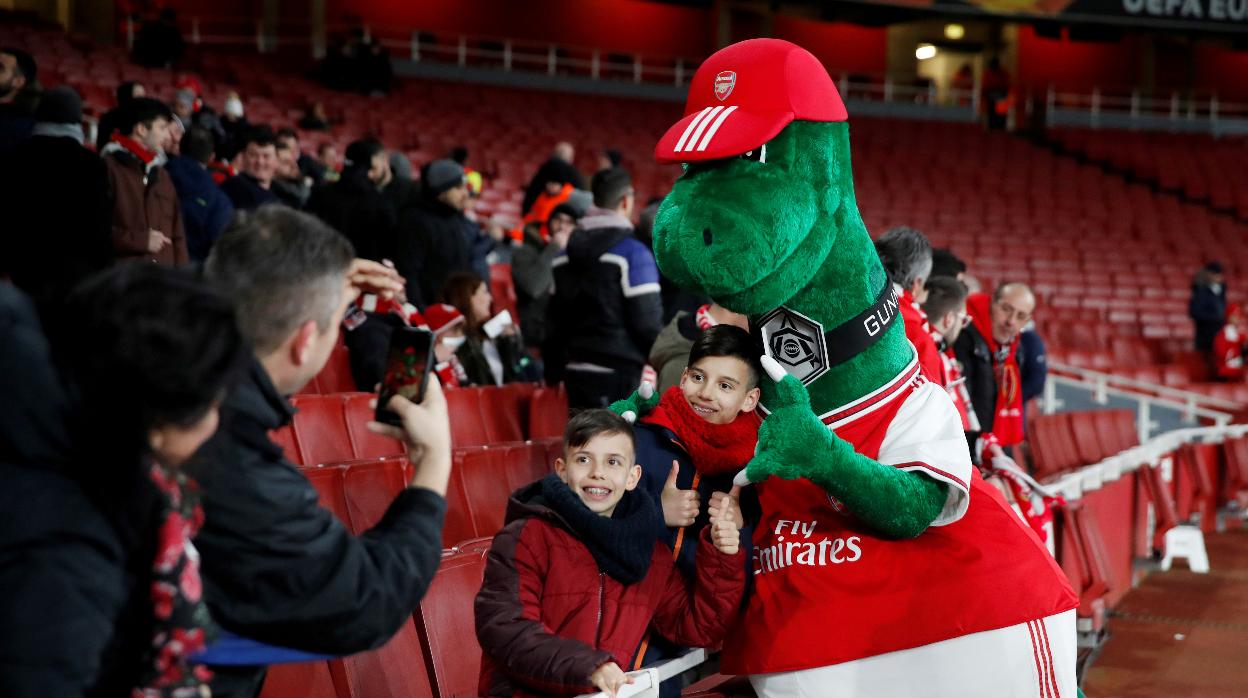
(576, 578)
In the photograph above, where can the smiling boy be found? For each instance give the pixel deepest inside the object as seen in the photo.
(577, 577)
(702, 433)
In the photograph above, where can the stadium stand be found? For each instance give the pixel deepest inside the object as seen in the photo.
(1097, 247)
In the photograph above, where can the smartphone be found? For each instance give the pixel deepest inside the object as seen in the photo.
(407, 370)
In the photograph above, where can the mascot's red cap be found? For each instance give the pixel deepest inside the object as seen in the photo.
(744, 95)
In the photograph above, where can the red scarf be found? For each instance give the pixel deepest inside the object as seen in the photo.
(1007, 423)
(714, 448)
(136, 148)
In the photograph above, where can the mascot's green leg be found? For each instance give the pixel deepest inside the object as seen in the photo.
(794, 443)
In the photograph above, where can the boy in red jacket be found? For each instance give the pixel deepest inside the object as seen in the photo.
(577, 576)
(1228, 346)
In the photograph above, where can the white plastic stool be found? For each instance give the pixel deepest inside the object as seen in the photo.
(1187, 542)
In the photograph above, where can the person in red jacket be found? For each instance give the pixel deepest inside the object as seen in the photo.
(907, 257)
(578, 575)
(1229, 346)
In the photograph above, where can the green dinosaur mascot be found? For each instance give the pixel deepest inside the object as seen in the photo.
(883, 565)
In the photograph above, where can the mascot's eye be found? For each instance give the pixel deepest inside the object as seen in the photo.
(759, 154)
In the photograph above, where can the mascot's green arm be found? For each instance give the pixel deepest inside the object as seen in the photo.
(794, 443)
(641, 403)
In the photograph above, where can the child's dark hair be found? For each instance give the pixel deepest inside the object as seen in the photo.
(729, 340)
(587, 424)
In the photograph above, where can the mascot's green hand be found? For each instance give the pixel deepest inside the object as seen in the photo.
(793, 443)
(641, 403)
(789, 435)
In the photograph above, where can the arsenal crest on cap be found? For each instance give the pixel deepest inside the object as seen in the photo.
(724, 82)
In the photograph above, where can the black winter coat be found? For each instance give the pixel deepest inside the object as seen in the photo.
(58, 217)
(280, 569)
(434, 241)
(71, 614)
(973, 353)
(355, 208)
(1207, 309)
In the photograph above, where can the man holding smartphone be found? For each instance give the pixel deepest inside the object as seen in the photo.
(277, 567)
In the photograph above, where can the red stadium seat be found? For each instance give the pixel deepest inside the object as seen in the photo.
(1082, 555)
(364, 443)
(285, 437)
(327, 481)
(336, 376)
(1089, 444)
(1164, 507)
(304, 680)
(467, 428)
(548, 413)
(458, 525)
(321, 430)
(500, 412)
(370, 487)
(504, 291)
(486, 487)
(398, 669)
(445, 624)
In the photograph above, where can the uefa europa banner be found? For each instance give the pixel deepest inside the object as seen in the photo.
(1214, 15)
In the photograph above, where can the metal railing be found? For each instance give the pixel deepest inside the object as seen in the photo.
(1146, 396)
(646, 681)
(1129, 108)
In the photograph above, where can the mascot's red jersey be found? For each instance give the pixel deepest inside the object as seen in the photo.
(827, 590)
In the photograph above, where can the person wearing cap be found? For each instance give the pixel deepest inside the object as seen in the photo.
(531, 269)
(435, 239)
(206, 210)
(17, 96)
(873, 570)
(147, 220)
(448, 327)
(1207, 306)
(58, 216)
(356, 207)
(606, 312)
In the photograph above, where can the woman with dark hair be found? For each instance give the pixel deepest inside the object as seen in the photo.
(487, 360)
(100, 592)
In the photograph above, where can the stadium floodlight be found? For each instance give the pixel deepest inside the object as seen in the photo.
(954, 32)
(925, 51)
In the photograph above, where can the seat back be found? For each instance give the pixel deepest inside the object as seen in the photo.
(548, 412)
(463, 407)
(303, 680)
(446, 621)
(458, 525)
(503, 288)
(335, 377)
(397, 669)
(369, 488)
(320, 429)
(1089, 444)
(327, 481)
(1164, 507)
(364, 443)
(483, 473)
(285, 437)
(500, 413)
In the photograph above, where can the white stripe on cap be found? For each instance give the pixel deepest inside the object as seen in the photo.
(689, 129)
(706, 140)
(697, 133)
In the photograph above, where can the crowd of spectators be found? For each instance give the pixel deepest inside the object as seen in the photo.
(176, 278)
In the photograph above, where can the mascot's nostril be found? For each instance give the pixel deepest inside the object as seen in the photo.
(706, 236)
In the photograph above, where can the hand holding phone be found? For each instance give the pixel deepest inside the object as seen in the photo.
(406, 372)
(495, 325)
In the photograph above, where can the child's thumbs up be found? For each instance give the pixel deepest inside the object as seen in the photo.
(680, 507)
(725, 534)
(671, 477)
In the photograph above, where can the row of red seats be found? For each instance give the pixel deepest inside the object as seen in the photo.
(1069, 440)
(433, 653)
(333, 428)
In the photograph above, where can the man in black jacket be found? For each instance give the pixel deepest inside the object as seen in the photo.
(1207, 306)
(435, 239)
(355, 206)
(606, 311)
(984, 358)
(277, 567)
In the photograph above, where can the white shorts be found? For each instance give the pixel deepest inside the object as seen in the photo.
(1030, 660)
